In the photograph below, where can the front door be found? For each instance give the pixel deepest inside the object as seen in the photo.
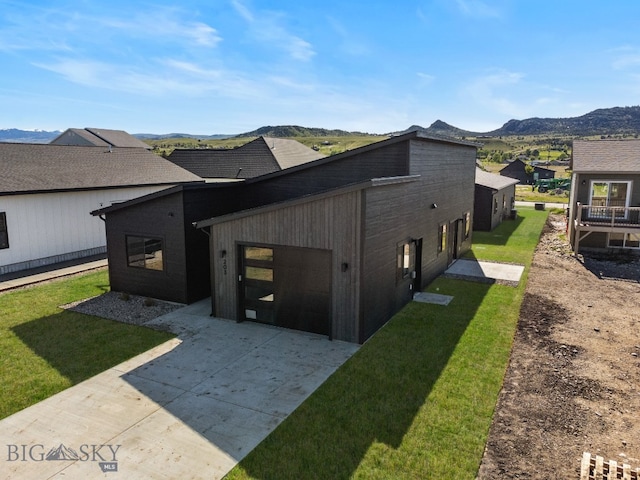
(417, 279)
(257, 287)
(453, 246)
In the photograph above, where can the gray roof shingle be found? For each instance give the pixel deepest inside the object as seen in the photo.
(100, 137)
(603, 156)
(495, 182)
(28, 168)
(258, 157)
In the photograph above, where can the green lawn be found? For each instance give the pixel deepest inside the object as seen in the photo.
(416, 400)
(46, 349)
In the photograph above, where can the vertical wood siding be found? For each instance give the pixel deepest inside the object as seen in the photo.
(328, 224)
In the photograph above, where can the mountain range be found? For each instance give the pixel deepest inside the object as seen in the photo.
(604, 121)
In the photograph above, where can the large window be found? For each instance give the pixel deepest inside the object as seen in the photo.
(405, 256)
(467, 225)
(606, 194)
(4, 232)
(442, 238)
(145, 252)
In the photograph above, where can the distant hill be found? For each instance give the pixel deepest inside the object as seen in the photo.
(15, 135)
(163, 136)
(604, 121)
(296, 131)
(441, 128)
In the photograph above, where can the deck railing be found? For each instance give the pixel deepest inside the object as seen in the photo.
(612, 216)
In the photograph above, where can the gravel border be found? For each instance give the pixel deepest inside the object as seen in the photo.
(123, 307)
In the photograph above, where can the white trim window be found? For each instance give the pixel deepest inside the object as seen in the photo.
(604, 194)
(4, 231)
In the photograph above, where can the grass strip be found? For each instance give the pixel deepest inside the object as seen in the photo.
(46, 349)
(416, 401)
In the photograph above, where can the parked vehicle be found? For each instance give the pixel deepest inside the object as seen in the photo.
(546, 184)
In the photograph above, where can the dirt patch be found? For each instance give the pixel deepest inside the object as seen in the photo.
(573, 382)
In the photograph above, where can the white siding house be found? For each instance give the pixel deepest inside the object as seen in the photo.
(47, 192)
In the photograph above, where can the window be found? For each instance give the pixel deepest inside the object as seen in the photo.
(4, 232)
(405, 262)
(467, 225)
(442, 238)
(605, 194)
(145, 252)
(624, 240)
(495, 205)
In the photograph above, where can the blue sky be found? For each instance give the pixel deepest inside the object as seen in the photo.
(231, 66)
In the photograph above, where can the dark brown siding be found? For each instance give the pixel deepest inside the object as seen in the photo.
(483, 208)
(394, 213)
(163, 218)
(387, 161)
(485, 215)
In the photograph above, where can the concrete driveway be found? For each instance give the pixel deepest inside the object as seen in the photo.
(189, 408)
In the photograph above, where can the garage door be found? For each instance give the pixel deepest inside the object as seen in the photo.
(286, 286)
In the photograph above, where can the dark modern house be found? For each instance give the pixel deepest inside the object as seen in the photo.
(604, 205)
(517, 170)
(494, 200)
(258, 157)
(334, 246)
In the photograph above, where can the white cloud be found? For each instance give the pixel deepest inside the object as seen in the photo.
(75, 30)
(349, 43)
(478, 8)
(178, 78)
(266, 27)
(491, 91)
(425, 79)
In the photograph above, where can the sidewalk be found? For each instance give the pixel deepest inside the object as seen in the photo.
(23, 278)
(520, 203)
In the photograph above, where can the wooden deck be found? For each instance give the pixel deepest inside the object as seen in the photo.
(596, 218)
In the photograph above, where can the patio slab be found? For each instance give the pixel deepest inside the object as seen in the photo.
(489, 272)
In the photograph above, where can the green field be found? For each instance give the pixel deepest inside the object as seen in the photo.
(325, 145)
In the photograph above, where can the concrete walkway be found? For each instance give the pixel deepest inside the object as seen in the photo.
(10, 281)
(189, 408)
(489, 272)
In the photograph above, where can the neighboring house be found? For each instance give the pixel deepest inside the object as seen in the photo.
(604, 205)
(258, 157)
(494, 200)
(98, 137)
(517, 170)
(335, 246)
(47, 192)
